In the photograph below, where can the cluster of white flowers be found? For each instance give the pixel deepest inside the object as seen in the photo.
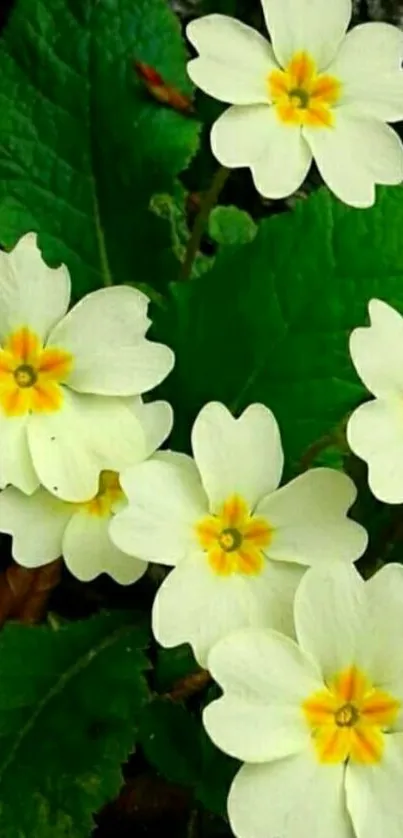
(263, 588)
(312, 93)
(318, 720)
(71, 413)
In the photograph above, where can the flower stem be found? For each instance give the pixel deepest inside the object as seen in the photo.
(209, 201)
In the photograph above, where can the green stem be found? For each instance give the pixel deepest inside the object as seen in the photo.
(209, 201)
(309, 456)
(193, 824)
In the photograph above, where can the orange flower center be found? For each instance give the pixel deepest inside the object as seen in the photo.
(30, 375)
(301, 95)
(349, 718)
(234, 539)
(109, 493)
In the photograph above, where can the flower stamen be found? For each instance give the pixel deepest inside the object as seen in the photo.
(230, 539)
(25, 375)
(301, 95)
(349, 718)
(234, 539)
(346, 716)
(31, 374)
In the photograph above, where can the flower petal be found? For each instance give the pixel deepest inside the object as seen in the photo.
(262, 666)
(88, 551)
(308, 519)
(255, 732)
(104, 333)
(16, 464)
(286, 161)
(156, 419)
(276, 153)
(237, 456)
(235, 60)
(291, 798)
(379, 645)
(355, 155)
(377, 351)
(31, 293)
(328, 610)
(369, 65)
(316, 27)
(36, 522)
(374, 792)
(195, 605)
(375, 433)
(88, 434)
(166, 499)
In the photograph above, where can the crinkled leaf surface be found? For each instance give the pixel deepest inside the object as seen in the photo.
(82, 145)
(270, 321)
(69, 705)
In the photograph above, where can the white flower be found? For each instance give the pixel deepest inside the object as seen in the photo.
(314, 92)
(62, 418)
(238, 545)
(318, 725)
(375, 429)
(44, 527)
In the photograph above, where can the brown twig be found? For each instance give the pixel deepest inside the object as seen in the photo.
(24, 593)
(189, 686)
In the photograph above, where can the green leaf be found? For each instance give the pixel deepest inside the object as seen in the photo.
(83, 147)
(169, 736)
(218, 771)
(175, 742)
(172, 665)
(230, 226)
(69, 704)
(270, 321)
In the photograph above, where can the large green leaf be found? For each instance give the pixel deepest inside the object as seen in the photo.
(69, 705)
(82, 145)
(270, 322)
(175, 742)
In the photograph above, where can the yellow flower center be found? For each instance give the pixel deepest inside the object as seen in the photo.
(301, 95)
(234, 539)
(109, 493)
(30, 375)
(349, 718)
(347, 715)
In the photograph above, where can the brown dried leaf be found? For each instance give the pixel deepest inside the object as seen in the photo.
(164, 93)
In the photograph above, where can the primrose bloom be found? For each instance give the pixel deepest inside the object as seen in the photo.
(319, 724)
(44, 527)
(315, 93)
(375, 429)
(63, 376)
(239, 546)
